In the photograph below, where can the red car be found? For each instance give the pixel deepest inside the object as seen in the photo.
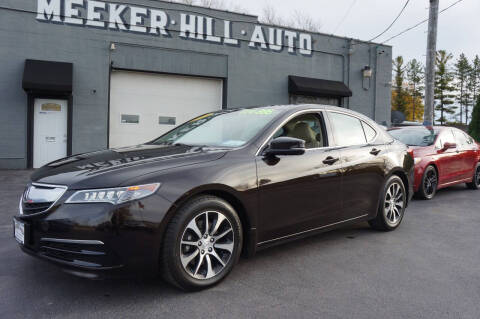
(444, 156)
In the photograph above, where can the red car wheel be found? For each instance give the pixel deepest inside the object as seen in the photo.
(428, 188)
(475, 184)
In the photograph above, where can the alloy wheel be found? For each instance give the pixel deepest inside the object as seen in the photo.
(430, 183)
(394, 204)
(477, 175)
(207, 245)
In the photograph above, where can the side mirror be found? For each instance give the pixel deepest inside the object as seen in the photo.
(448, 146)
(286, 146)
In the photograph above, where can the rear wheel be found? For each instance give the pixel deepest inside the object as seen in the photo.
(202, 243)
(475, 184)
(428, 188)
(392, 206)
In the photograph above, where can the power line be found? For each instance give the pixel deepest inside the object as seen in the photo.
(345, 16)
(391, 24)
(419, 23)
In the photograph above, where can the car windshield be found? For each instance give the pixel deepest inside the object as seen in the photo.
(415, 136)
(233, 128)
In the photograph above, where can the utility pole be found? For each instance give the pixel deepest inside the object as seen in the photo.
(430, 65)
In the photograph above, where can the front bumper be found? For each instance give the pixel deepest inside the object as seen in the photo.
(418, 176)
(411, 184)
(98, 239)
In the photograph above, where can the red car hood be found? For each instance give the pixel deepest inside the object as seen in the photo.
(420, 151)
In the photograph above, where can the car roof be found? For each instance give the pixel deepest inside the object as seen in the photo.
(292, 108)
(428, 127)
(287, 109)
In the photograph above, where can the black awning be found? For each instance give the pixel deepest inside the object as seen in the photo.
(317, 87)
(47, 76)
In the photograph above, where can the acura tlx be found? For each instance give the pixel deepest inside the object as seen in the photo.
(190, 202)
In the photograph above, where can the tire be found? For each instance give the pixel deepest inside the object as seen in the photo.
(428, 188)
(393, 195)
(193, 258)
(475, 184)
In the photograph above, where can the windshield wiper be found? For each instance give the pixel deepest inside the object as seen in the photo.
(182, 144)
(190, 145)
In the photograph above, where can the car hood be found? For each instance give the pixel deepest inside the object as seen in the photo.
(112, 167)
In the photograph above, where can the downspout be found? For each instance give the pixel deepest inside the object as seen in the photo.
(349, 53)
(375, 85)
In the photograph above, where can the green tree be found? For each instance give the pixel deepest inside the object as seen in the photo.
(474, 127)
(400, 96)
(474, 80)
(462, 74)
(415, 76)
(444, 86)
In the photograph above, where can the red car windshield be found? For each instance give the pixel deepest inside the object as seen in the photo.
(415, 136)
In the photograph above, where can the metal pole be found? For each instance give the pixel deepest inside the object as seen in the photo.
(428, 117)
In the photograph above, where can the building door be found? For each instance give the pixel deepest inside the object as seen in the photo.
(144, 106)
(49, 131)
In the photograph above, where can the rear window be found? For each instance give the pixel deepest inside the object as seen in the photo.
(415, 136)
(347, 130)
(369, 132)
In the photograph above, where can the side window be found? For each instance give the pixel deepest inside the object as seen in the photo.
(370, 133)
(347, 130)
(307, 127)
(439, 143)
(460, 138)
(470, 140)
(447, 137)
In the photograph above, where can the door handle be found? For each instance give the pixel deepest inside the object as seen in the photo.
(375, 152)
(330, 160)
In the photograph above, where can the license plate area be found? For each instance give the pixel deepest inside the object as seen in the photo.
(19, 231)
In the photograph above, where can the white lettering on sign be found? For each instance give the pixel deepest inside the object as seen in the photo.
(305, 44)
(137, 16)
(275, 39)
(291, 36)
(94, 17)
(258, 38)
(187, 25)
(115, 16)
(158, 22)
(49, 10)
(125, 17)
(211, 30)
(227, 36)
(72, 14)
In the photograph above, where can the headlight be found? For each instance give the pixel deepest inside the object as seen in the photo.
(417, 160)
(113, 195)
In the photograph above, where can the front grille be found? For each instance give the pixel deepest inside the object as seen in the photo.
(33, 208)
(39, 198)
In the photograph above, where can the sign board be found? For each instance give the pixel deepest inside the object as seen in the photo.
(160, 23)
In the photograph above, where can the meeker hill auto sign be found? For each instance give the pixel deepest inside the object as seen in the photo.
(146, 20)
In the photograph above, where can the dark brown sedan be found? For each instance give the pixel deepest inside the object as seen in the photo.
(190, 202)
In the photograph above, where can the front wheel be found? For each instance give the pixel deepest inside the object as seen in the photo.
(428, 188)
(475, 184)
(202, 243)
(392, 205)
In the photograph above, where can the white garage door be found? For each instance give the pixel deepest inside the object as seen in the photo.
(143, 106)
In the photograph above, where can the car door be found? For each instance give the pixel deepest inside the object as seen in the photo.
(363, 164)
(466, 154)
(298, 193)
(448, 160)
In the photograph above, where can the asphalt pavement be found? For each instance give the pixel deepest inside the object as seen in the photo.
(428, 268)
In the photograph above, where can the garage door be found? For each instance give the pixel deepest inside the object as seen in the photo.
(143, 106)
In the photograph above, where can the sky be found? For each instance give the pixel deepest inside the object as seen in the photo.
(458, 28)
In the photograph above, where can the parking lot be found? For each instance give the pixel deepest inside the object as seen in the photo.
(428, 268)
